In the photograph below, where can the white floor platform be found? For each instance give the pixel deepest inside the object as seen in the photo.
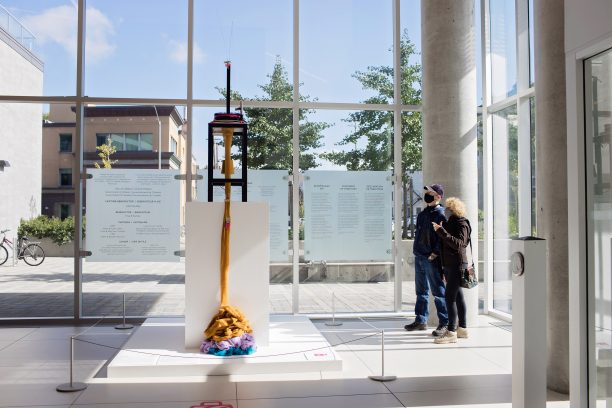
(157, 349)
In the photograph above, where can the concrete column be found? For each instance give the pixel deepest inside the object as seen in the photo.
(449, 109)
(551, 179)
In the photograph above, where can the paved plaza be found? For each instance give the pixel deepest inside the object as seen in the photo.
(157, 289)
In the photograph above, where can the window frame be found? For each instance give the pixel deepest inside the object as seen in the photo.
(65, 171)
(61, 150)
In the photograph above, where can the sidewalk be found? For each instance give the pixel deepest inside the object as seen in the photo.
(157, 289)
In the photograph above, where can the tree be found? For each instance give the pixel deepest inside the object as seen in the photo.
(271, 129)
(105, 152)
(372, 139)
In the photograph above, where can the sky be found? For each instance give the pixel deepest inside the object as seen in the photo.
(138, 48)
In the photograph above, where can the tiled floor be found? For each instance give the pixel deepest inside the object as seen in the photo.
(474, 372)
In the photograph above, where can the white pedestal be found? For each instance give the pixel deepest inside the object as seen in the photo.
(249, 267)
(529, 354)
(156, 349)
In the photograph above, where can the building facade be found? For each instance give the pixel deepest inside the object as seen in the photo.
(21, 73)
(134, 131)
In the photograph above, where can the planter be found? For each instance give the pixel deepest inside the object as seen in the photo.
(53, 250)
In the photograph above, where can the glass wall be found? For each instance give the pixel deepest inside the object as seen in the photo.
(505, 203)
(270, 167)
(598, 100)
(47, 32)
(255, 36)
(502, 17)
(356, 35)
(508, 138)
(134, 210)
(532, 161)
(136, 49)
(36, 203)
(347, 202)
(336, 108)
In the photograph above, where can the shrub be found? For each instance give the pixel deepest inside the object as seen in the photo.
(59, 231)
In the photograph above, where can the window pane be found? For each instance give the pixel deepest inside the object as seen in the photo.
(101, 139)
(43, 62)
(410, 19)
(598, 82)
(131, 141)
(30, 195)
(118, 141)
(146, 142)
(255, 36)
(270, 148)
(136, 48)
(151, 288)
(532, 133)
(412, 200)
(479, 50)
(342, 44)
(505, 203)
(64, 211)
(531, 45)
(361, 154)
(65, 177)
(503, 48)
(66, 143)
(482, 287)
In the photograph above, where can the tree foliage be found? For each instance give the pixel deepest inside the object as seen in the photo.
(372, 138)
(105, 152)
(271, 129)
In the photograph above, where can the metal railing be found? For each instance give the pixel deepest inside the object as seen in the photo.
(15, 29)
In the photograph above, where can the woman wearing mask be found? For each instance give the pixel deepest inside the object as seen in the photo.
(455, 237)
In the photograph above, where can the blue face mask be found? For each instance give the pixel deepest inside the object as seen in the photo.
(448, 213)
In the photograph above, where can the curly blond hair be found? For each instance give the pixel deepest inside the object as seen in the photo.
(456, 206)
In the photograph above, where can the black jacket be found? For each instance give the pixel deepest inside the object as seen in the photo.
(455, 237)
(426, 241)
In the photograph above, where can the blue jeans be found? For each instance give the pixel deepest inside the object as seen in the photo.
(427, 274)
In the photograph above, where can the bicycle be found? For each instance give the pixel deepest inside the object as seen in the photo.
(29, 251)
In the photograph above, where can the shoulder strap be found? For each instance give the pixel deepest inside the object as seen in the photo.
(470, 241)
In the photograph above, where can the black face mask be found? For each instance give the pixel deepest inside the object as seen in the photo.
(429, 198)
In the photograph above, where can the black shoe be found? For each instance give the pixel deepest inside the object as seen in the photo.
(415, 326)
(439, 330)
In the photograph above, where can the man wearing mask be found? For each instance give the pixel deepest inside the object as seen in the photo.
(427, 266)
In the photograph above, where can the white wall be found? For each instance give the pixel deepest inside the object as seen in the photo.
(20, 139)
(586, 21)
(588, 31)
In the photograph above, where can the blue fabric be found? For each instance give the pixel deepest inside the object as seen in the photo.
(427, 274)
(426, 241)
(232, 351)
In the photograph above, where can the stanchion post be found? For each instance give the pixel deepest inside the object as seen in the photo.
(124, 326)
(333, 322)
(71, 386)
(382, 377)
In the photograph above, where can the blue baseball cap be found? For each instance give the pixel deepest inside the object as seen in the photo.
(436, 188)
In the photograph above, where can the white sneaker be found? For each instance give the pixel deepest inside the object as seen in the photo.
(462, 333)
(447, 337)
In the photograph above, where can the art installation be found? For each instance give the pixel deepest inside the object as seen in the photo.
(229, 332)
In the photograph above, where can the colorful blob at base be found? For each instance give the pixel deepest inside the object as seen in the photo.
(236, 346)
(228, 334)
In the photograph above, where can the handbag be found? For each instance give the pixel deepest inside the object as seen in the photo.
(468, 275)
